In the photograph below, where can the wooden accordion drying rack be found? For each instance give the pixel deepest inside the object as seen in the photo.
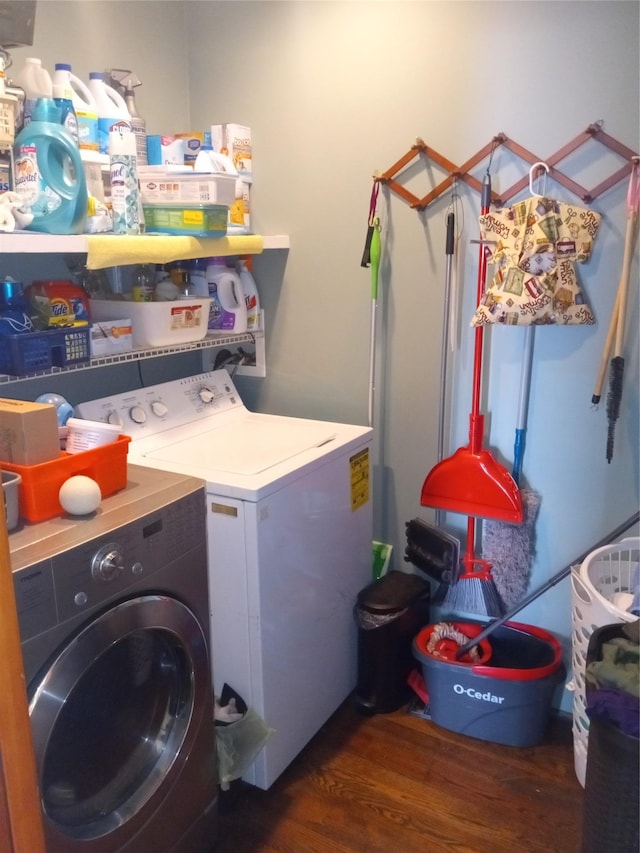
(462, 173)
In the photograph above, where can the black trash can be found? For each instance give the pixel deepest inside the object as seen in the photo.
(389, 613)
(611, 813)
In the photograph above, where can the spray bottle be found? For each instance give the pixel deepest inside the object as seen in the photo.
(125, 195)
(125, 82)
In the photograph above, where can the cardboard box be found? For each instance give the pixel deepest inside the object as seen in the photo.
(234, 140)
(240, 210)
(28, 432)
(193, 142)
(110, 337)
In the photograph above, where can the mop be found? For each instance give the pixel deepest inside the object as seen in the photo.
(510, 547)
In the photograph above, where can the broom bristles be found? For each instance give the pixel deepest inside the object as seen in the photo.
(474, 595)
(616, 375)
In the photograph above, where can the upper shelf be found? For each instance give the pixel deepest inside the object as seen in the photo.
(110, 250)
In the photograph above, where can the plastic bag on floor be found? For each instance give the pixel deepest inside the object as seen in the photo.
(240, 735)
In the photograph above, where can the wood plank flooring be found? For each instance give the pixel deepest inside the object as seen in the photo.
(395, 782)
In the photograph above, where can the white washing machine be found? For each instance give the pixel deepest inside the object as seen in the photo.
(289, 527)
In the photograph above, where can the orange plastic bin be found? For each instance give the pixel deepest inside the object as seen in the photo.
(38, 493)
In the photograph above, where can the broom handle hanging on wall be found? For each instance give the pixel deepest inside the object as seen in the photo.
(633, 203)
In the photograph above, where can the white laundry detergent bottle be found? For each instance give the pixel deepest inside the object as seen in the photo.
(83, 103)
(36, 83)
(251, 296)
(228, 309)
(110, 106)
(211, 162)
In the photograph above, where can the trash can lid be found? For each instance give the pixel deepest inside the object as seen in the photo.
(393, 591)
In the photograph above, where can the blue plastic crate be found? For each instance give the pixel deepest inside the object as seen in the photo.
(33, 352)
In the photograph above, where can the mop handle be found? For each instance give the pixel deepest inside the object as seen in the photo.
(523, 403)
(444, 351)
(491, 627)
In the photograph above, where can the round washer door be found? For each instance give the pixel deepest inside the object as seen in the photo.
(113, 714)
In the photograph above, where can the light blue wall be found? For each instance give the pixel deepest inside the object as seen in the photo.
(335, 91)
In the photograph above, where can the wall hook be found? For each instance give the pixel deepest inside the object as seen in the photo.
(539, 164)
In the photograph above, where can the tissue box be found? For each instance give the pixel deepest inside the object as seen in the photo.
(165, 150)
(234, 140)
(28, 432)
(110, 337)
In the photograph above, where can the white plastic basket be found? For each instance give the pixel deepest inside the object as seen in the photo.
(603, 575)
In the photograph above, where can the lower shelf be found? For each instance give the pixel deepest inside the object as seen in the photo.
(208, 343)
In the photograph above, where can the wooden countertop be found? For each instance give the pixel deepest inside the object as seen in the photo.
(147, 490)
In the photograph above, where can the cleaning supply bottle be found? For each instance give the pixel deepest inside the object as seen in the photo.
(36, 83)
(110, 106)
(228, 309)
(125, 193)
(68, 118)
(144, 283)
(198, 276)
(127, 81)
(48, 173)
(83, 104)
(211, 161)
(8, 109)
(251, 296)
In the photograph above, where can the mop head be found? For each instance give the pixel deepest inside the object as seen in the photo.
(510, 549)
(437, 646)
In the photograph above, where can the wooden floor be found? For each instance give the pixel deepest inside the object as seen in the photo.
(395, 782)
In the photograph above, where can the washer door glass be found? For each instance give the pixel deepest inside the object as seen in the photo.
(113, 711)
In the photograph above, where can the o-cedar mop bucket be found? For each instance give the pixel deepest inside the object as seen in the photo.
(506, 699)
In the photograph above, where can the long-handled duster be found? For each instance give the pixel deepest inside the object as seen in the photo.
(616, 370)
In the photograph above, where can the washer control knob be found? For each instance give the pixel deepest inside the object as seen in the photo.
(137, 568)
(137, 414)
(205, 394)
(114, 418)
(80, 599)
(107, 563)
(159, 409)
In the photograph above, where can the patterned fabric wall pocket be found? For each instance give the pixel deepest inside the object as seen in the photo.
(537, 244)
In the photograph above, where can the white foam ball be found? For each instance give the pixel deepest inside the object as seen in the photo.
(79, 495)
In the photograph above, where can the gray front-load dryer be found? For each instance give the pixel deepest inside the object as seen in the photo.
(113, 613)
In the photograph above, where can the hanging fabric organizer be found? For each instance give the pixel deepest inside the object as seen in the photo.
(463, 172)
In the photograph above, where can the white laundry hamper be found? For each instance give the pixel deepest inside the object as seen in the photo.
(604, 574)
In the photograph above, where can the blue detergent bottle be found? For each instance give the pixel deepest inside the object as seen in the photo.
(49, 175)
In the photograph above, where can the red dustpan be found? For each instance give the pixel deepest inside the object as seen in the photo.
(471, 481)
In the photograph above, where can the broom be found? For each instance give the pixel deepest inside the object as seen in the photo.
(475, 590)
